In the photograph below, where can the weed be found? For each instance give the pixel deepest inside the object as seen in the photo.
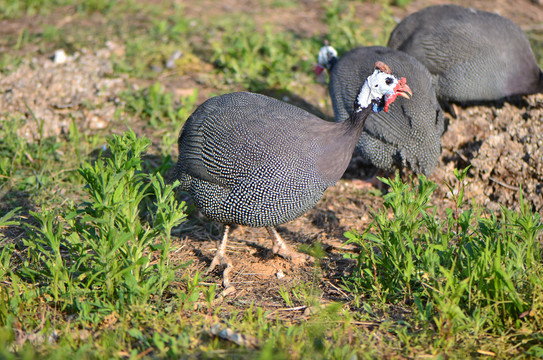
(8, 63)
(44, 170)
(188, 298)
(147, 54)
(95, 264)
(468, 271)
(17, 8)
(402, 3)
(7, 248)
(258, 60)
(89, 6)
(536, 41)
(115, 248)
(346, 31)
(285, 295)
(158, 107)
(164, 114)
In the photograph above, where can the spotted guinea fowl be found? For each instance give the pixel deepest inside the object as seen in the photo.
(407, 135)
(249, 159)
(476, 55)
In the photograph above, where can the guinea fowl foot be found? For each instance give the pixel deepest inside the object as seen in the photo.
(282, 249)
(221, 259)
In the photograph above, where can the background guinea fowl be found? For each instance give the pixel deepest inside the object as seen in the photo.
(407, 135)
(252, 160)
(476, 55)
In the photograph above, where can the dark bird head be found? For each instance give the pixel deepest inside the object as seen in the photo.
(381, 89)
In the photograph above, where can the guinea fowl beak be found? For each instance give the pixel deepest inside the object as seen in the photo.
(402, 89)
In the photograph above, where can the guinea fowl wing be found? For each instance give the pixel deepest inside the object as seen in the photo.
(239, 136)
(255, 165)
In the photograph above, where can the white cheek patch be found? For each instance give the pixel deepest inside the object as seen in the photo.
(375, 88)
(364, 97)
(379, 87)
(325, 54)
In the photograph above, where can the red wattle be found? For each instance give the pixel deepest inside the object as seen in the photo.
(318, 69)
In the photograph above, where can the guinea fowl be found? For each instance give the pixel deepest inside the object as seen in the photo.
(249, 159)
(476, 55)
(407, 135)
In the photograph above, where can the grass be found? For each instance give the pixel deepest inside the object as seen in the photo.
(90, 230)
(102, 266)
(469, 270)
(18, 8)
(345, 32)
(260, 60)
(34, 170)
(163, 114)
(449, 274)
(105, 247)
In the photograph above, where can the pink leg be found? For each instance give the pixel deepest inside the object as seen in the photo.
(282, 249)
(221, 258)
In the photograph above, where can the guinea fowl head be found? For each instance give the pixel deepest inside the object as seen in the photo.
(326, 59)
(381, 89)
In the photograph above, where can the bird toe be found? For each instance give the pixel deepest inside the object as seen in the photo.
(292, 255)
(222, 260)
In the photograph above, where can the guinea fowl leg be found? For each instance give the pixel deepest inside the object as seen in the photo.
(282, 249)
(221, 259)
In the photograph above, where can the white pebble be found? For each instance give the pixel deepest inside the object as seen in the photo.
(170, 63)
(60, 57)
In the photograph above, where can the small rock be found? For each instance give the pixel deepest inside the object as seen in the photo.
(96, 123)
(280, 274)
(60, 57)
(170, 63)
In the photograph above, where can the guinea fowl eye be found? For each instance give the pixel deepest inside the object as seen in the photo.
(389, 81)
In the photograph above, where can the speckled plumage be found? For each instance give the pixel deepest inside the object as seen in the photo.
(409, 134)
(249, 159)
(475, 55)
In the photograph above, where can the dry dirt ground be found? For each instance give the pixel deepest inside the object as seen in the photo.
(503, 142)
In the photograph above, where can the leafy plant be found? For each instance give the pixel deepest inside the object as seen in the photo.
(467, 269)
(259, 59)
(285, 295)
(346, 29)
(15, 8)
(114, 248)
(7, 248)
(157, 107)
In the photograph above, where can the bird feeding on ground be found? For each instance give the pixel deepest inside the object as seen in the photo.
(252, 160)
(475, 56)
(409, 135)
